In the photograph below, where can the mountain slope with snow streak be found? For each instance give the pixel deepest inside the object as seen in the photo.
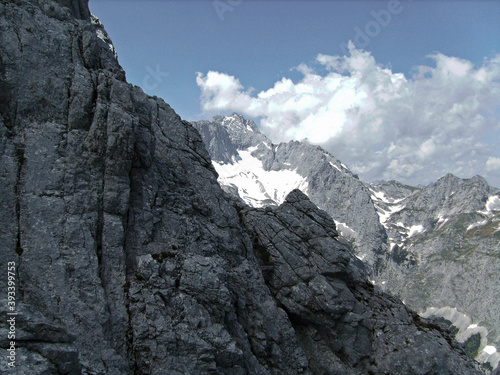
(431, 246)
(444, 249)
(262, 173)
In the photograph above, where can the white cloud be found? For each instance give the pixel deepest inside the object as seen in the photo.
(493, 164)
(382, 124)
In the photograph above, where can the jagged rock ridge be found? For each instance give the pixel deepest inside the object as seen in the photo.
(434, 247)
(444, 247)
(130, 259)
(262, 173)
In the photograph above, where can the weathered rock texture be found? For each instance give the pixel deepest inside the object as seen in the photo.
(435, 247)
(130, 259)
(445, 248)
(327, 182)
(343, 324)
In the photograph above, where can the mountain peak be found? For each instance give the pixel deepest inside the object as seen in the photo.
(131, 258)
(449, 177)
(239, 123)
(242, 132)
(452, 181)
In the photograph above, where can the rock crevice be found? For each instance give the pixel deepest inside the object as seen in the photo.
(135, 261)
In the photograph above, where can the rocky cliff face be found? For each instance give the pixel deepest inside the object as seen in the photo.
(262, 173)
(129, 257)
(435, 247)
(444, 248)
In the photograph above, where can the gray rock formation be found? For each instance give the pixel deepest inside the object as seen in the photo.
(444, 247)
(434, 247)
(325, 180)
(130, 259)
(337, 314)
(218, 143)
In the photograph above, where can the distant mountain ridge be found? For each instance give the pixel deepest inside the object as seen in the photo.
(416, 242)
(262, 173)
(128, 257)
(444, 249)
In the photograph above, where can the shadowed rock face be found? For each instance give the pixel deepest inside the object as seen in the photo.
(433, 247)
(129, 257)
(341, 321)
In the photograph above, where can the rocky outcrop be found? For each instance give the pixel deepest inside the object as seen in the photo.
(325, 180)
(130, 259)
(343, 324)
(444, 248)
(434, 246)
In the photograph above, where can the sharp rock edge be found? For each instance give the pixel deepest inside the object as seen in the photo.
(432, 246)
(130, 259)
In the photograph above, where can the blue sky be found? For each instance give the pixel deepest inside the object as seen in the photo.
(256, 57)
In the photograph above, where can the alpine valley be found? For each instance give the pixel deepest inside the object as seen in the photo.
(122, 254)
(437, 247)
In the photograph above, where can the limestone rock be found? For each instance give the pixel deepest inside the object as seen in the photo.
(130, 258)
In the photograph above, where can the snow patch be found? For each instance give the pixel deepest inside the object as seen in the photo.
(490, 350)
(256, 185)
(478, 224)
(441, 221)
(334, 166)
(380, 196)
(414, 229)
(361, 257)
(344, 229)
(385, 215)
(101, 34)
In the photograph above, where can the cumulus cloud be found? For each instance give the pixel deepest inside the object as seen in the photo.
(381, 123)
(493, 164)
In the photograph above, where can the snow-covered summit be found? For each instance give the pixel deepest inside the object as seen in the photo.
(263, 173)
